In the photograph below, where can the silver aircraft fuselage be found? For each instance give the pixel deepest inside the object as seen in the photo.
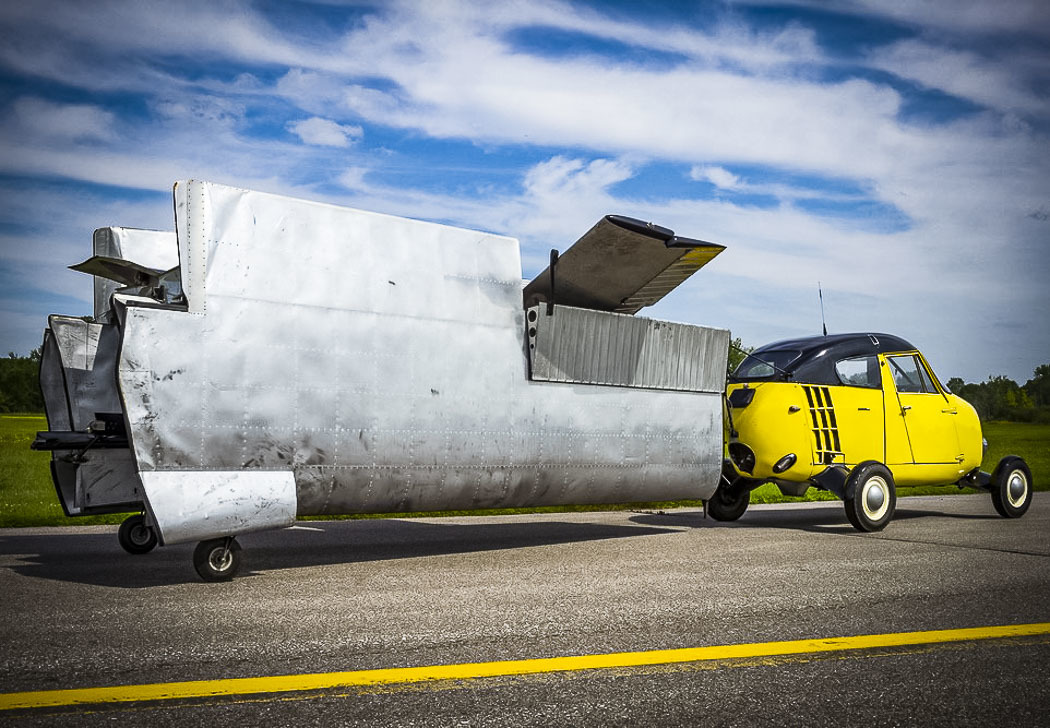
(276, 357)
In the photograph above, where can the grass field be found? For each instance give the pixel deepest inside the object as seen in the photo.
(27, 497)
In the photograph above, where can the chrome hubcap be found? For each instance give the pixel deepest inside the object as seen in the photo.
(220, 559)
(1016, 488)
(875, 498)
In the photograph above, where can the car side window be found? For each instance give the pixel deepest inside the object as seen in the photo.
(905, 373)
(927, 382)
(909, 375)
(859, 371)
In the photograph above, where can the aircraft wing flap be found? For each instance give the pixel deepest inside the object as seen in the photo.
(693, 259)
(621, 264)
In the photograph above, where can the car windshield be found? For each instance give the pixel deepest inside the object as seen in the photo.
(765, 364)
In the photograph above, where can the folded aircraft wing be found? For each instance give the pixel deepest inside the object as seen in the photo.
(621, 264)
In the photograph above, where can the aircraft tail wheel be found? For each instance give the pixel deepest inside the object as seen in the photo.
(1012, 487)
(871, 496)
(731, 498)
(135, 536)
(217, 559)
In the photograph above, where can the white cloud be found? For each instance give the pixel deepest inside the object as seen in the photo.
(50, 121)
(354, 178)
(325, 133)
(453, 76)
(718, 176)
(312, 91)
(739, 103)
(560, 176)
(992, 83)
(123, 31)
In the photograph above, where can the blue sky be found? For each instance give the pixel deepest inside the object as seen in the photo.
(894, 151)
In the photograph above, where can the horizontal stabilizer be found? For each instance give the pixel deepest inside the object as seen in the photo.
(621, 264)
(118, 269)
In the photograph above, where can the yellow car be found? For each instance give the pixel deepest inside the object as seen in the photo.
(857, 415)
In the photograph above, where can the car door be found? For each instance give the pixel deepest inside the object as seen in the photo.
(860, 409)
(927, 415)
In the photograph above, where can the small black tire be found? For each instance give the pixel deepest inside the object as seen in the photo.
(731, 498)
(1011, 487)
(217, 559)
(871, 496)
(135, 536)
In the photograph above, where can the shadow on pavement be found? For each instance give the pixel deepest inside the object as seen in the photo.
(819, 517)
(98, 559)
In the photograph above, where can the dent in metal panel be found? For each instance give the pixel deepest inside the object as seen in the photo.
(597, 347)
(107, 478)
(197, 505)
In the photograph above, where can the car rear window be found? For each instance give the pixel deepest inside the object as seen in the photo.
(765, 364)
(859, 371)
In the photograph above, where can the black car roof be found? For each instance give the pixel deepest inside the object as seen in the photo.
(818, 354)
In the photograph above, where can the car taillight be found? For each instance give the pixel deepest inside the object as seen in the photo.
(740, 398)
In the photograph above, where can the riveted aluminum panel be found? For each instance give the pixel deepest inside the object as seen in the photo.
(192, 506)
(381, 362)
(596, 347)
(88, 355)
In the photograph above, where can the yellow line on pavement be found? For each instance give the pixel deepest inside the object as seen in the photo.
(360, 678)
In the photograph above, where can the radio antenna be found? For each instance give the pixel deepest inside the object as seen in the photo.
(820, 293)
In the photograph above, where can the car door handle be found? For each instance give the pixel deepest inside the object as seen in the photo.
(905, 408)
(950, 411)
(864, 409)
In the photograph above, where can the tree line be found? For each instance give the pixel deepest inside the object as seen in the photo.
(20, 383)
(997, 398)
(1001, 398)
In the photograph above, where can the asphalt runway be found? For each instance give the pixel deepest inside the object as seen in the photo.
(335, 596)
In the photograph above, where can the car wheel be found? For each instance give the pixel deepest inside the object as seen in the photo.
(871, 496)
(731, 498)
(1011, 487)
